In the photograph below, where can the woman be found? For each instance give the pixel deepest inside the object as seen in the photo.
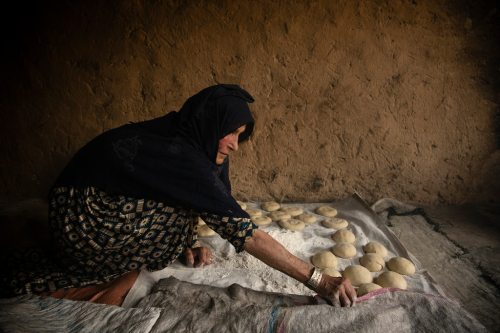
(130, 200)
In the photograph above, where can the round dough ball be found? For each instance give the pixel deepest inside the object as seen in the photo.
(200, 221)
(391, 280)
(344, 236)
(335, 223)
(375, 247)
(401, 265)
(292, 224)
(373, 262)
(254, 212)
(262, 220)
(358, 275)
(307, 218)
(367, 288)
(324, 259)
(242, 204)
(292, 211)
(327, 211)
(270, 206)
(332, 272)
(344, 250)
(205, 231)
(279, 215)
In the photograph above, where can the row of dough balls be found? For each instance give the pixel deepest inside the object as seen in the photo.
(203, 230)
(373, 261)
(292, 218)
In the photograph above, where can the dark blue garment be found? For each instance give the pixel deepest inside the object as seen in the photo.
(171, 158)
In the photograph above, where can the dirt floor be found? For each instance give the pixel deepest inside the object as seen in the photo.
(459, 246)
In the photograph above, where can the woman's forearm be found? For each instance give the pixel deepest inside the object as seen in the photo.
(267, 249)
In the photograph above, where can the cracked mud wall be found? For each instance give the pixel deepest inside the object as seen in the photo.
(386, 98)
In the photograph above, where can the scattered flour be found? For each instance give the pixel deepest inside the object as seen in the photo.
(230, 267)
(272, 280)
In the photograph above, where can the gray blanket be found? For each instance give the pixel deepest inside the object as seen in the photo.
(187, 307)
(176, 306)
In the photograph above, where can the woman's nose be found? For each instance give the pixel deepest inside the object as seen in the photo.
(234, 144)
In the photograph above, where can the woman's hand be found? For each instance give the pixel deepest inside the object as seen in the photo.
(197, 257)
(335, 289)
(264, 247)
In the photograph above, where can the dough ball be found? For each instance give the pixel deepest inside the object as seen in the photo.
(279, 215)
(401, 265)
(270, 206)
(344, 250)
(327, 211)
(391, 280)
(242, 204)
(344, 236)
(262, 220)
(373, 262)
(292, 224)
(307, 218)
(375, 247)
(367, 288)
(335, 223)
(358, 275)
(205, 231)
(324, 259)
(332, 272)
(200, 221)
(254, 212)
(292, 211)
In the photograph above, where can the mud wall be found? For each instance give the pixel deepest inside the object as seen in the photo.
(386, 98)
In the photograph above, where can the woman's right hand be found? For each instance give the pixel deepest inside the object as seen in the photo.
(336, 289)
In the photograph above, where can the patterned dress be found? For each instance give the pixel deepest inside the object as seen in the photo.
(98, 237)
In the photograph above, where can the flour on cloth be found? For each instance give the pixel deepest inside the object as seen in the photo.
(230, 267)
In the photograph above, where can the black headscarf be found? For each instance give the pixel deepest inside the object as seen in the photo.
(171, 158)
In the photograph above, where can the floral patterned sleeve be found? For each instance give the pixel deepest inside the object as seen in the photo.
(234, 229)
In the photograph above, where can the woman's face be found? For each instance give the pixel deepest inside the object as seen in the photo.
(227, 144)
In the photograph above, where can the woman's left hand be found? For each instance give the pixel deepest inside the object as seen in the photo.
(197, 257)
